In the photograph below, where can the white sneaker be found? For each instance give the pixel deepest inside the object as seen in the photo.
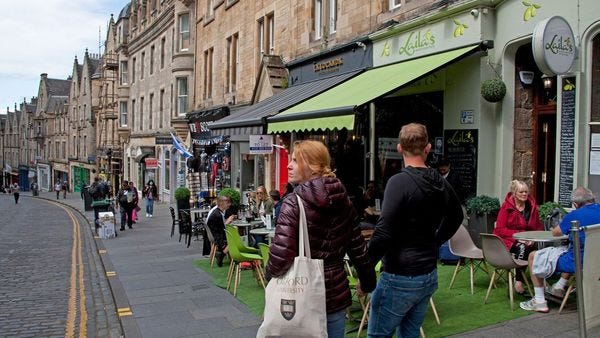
(150, 215)
(147, 215)
(531, 305)
(555, 291)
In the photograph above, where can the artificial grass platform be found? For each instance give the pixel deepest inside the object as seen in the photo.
(458, 309)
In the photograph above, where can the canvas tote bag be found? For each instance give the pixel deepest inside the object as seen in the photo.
(295, 302)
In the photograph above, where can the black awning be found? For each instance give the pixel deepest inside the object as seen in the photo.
(252, 118)
(198, 123)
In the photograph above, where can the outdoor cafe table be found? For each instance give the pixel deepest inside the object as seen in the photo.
(245, 227)
(264, 232)
(540, 237)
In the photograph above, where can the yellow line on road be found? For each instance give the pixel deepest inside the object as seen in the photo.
(76, 280)
(124, 311)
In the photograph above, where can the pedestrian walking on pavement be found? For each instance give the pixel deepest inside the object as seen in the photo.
(65, 188)
(16, 192)
(126, 201)
(57, 188)
(150, 194)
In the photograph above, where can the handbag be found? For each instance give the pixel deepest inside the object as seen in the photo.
(295, 302)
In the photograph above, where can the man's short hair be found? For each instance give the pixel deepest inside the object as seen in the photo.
(413, 138)
(582, 196)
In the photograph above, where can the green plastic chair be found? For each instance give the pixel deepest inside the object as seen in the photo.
(264, 252)
(243, 247)
(234, 242)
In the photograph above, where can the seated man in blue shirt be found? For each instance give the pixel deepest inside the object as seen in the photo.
(545, 262)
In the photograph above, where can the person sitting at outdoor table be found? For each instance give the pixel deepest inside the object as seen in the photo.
(216, 223)
(263, 204)
(548, 261)
(368, 204)
(518, 213)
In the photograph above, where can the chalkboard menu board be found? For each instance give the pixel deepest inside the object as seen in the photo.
(567, 141)
(460, 148)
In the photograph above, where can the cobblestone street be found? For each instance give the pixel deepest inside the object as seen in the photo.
(43, 291)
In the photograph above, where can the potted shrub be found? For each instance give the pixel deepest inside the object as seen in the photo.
(235, 198)
(182, 197)
(551, 213)
(493, 90)
(483, 212)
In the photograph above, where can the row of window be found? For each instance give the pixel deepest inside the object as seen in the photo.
(137, 114)
(183, 46)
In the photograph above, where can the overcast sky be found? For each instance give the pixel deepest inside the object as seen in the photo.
(44, 36)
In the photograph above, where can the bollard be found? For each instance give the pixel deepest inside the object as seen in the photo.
(575, 229)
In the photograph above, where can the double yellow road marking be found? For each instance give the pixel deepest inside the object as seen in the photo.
(76, 283)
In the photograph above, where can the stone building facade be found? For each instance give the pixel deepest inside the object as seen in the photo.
(154, 43)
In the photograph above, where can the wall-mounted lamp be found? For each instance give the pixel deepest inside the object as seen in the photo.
(547, 81)
(526, 77)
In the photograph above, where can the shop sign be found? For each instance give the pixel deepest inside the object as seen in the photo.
(163, 140)
(261, 144)
(454, 32)
(329, 65)
(151, 163)
(553, 45)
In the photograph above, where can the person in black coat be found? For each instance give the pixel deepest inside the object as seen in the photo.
(452, 176)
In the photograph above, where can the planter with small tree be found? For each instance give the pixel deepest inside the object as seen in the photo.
(483, 212)
(182, 198)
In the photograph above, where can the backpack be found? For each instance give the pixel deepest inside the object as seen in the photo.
(96, 191)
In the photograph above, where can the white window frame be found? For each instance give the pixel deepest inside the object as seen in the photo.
(124, 75)
(332, 16)
(182, 98)
(123, 112)
(318, 19)
(184, 32)
(395, 4)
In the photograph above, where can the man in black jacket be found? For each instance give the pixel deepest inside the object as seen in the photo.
(420, 212)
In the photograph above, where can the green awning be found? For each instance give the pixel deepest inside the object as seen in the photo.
(341, 99)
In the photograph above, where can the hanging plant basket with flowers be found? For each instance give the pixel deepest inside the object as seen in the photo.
(493, 90)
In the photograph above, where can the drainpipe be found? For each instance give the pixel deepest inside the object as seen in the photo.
(371, 141)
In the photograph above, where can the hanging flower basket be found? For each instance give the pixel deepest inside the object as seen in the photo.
(493, 90)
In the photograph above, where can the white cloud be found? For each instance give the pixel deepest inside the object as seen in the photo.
(44, 36)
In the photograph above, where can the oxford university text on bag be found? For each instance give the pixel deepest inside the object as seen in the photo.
(295, 302)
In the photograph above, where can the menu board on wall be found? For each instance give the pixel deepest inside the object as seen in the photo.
(567, 141)
(460, 148)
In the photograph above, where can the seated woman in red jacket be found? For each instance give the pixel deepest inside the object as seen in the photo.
(518, 213)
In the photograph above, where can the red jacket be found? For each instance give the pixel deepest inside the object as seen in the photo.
(333, 232)
(510, 220)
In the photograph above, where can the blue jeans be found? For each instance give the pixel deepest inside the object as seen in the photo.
(399, 304)
(336, 324)
(149, 206)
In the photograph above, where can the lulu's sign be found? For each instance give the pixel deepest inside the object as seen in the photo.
(553, 45)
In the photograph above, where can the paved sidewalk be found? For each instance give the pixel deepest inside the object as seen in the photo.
(169, 297)
(156, 278)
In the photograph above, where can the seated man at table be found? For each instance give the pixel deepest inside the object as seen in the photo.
(545, 262)
(216, 223)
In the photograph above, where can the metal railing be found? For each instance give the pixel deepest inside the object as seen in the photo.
(575, 229)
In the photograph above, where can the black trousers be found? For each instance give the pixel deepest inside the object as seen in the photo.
(127, 216)
(16, 195)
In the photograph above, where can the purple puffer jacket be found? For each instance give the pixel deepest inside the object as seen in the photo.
(333, 233)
